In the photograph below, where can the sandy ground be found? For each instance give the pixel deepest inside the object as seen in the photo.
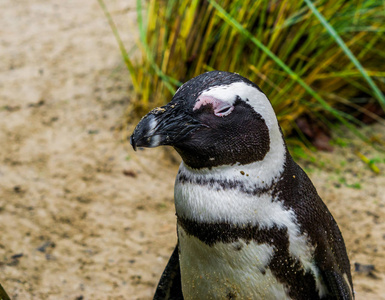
(82, 216)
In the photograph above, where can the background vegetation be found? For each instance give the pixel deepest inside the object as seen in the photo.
(320, 64)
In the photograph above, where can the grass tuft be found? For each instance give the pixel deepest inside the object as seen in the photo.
(322, 60)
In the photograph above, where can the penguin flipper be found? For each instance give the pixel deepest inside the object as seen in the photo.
(170, 286)
(337, 285)
(3, 294)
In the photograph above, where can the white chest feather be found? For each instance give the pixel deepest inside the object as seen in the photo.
(227, 271)
(220, 270)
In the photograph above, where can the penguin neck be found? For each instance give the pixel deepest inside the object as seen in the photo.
(261, 173)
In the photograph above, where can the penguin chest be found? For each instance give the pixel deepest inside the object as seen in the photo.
(235, 243)
(236, 270)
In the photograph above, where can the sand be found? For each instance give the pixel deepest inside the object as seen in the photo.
(83, 216)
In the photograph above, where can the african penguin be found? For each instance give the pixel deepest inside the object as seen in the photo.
(250, 223)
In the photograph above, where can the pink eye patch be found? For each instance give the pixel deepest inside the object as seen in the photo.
(221, 108)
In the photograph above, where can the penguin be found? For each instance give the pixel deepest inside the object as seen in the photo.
(250, 223)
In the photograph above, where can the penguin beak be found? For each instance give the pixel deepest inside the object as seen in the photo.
(166, 125)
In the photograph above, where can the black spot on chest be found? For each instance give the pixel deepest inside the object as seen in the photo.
(231, 296)
(238, 246)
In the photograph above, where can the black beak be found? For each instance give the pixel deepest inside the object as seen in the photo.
(166, 125)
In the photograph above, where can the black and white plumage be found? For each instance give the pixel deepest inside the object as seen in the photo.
(250, 223)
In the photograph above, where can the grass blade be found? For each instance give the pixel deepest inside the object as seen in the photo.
(167, 80)
(334, 34)
(231, 21)
(123, 50)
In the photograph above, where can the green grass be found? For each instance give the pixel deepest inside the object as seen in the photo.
(310, 58)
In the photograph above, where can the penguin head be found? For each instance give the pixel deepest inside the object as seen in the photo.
(217, 118)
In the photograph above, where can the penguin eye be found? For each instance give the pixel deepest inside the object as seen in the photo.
(220, 108)
(223, 110)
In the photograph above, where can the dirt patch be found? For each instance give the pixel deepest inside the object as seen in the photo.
(82, 216)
